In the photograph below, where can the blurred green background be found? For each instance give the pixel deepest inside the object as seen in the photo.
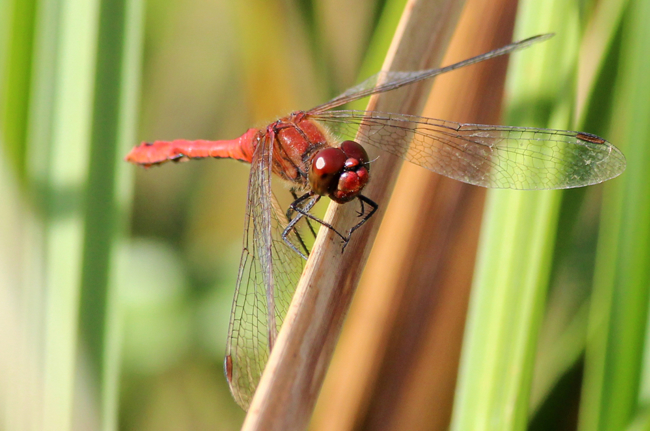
(116, 282)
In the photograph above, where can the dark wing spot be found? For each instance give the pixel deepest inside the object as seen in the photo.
(227, 366)
(590, 138)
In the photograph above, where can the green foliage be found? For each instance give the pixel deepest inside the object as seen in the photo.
(528, 242)
(69, 92)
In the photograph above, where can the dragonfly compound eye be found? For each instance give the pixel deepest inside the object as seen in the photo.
(340, 173)
(354, 151)
(326, 168)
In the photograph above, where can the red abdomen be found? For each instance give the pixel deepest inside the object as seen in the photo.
(148, 154)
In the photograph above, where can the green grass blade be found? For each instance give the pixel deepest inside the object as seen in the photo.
(518, 237)
(58, 146)
(17, 43)
(613, 387)
(107, 196)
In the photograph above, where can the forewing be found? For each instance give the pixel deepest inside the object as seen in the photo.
(504, 157)
(387, 81)
(268, 274)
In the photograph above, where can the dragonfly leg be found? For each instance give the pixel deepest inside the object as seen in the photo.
(374, 206)
(291, 211)
(304, 212)
(295, 207)
(363, 210)
(291, 227)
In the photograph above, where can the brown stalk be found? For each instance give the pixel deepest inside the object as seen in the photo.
(396, 364)
(293, 377)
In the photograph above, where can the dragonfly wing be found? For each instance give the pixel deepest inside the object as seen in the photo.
(387, 81)
(502, 157)
(268, 274)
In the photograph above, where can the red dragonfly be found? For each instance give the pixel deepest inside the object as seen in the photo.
(308, 150)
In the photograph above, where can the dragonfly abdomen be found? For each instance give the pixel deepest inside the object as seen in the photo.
(148, 154)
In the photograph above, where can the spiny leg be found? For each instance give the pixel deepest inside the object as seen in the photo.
(304, 212)
(291, 227)
(290, 212)
(363, 210)
(374, 206)
(296, 232)
(292, 224)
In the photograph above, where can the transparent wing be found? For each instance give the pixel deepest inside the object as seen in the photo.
(268, 274)
(504, 157)
(392, 80)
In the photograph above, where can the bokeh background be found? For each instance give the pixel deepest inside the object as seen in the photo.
(510, 311)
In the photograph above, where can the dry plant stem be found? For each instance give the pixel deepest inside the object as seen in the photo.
(396, 363)
(416, 384)
(294, 374)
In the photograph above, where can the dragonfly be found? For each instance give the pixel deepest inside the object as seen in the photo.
(314, 153)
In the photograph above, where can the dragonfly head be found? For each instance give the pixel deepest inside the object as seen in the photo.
(340, 173)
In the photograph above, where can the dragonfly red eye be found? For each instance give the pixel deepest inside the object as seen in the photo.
(354, 151)
(325, 170)
(339, 173)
